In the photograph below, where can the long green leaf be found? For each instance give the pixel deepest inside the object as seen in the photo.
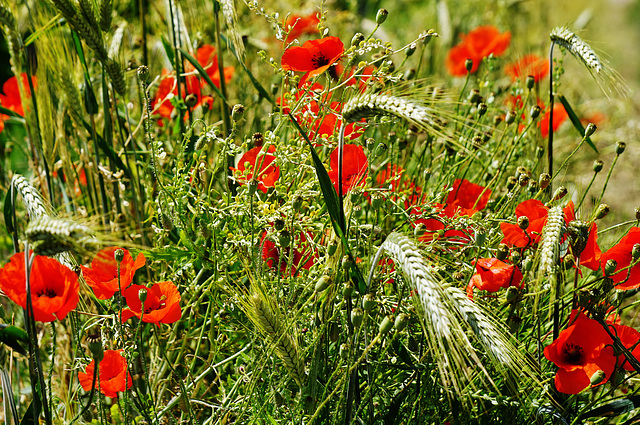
(9, 200)
(575, 120)
(333, 206)
(10, 410)
(9, 112)
(13, 336)
(168, 48)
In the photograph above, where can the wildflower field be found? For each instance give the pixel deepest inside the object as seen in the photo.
(270, 212)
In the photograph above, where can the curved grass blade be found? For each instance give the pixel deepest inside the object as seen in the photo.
(13, 337)
(575, 120)
(9, 403)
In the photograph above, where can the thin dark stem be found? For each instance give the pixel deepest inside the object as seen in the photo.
(340, 166)
(551, 101)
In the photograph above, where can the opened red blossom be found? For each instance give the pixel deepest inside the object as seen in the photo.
(162, 303)
(298, 25)
(113, 373)
(54, 286)
(355, 168)
(529, 65)
(254, 159)
(102, 276)
(477, 45)
(313, 57)
(493, 274)
(621, 253)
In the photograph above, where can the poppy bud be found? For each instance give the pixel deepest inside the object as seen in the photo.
(480, 239)
(637, 211)
(533, 187)
(539, 151)
(511, 182)
(143, 73)
(544, 180)
(512, 294)
(401, 322)
(502, 251)
(344, 351)
(617, 377)
(482, 109)
(523, 180)
(468, 65)
(598, 377)
(419, 229)
(386, 325)
(535, 112)
(118, 255)
(569, 261)
(323, 283)
(411, 49)
(95, 346)
(191, 100)
(497, 120)
(357, 38)
(523, 222)
(530, 81)
(560, 193)
(602, 211)
(515, 257)
(597, 166)
(237, 112)
(284, 238)
(381, 16)
(347, 289)
(510, 117)
(473, 96)
(346, 262)
(356, 317)
(332, 247)
(368, 302)
(610, 267)
(591, 128)
(620, 147)
(635, 252)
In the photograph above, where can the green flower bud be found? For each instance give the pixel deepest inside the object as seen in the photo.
(381, 16)
(468, 65)
(357, 315)
(523, 222)
(191, 100)
(118, 255)
(591, 128)
(530, 81)
(635, 252)
(323, 283)
(544, 180)
(602, 211)
(357, 39)
(347, 290)
(332, 247)
(143, 73)
(597, 166)
(480, 239)
(411, 49)
(535, 112)
(386, 325)
(368, 302)
(502, 251)
(610, 267)
(598, 377)
(401, 322)
(512, 294)
(620, 147)
(346, 262)
(482, 109)
(237, 112)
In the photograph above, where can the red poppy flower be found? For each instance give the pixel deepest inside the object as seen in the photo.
(621, 253)
(537, 213)
(268, 173)
(314, 56)
(10, 96)
(207, 58)
(466, 198)
(529, 65)
(54, 286)
(559, 117)
(330, 123)
(113, 373)
(299, 25)
(478, 44)
(271, 254)
(391, 177)
(493, 274)
(580, 351)
(630, 338)
(102, 276)
(590, 256)
(161, 306)
(355, 167)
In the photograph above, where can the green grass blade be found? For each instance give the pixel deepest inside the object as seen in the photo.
(203, 73)
(575, 120)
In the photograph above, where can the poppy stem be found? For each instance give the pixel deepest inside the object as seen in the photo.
(551, 101)
(340, 166)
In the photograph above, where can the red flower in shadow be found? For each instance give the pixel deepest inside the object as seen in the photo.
(102, 276)
(299, 25)
(313, 57)
(529, 65)
(630, 338)
(478, 44)
(580, 351)
(355, 168)
(559, 117)
(162, 304)
(10, 96)
(276, 256)
(54, 286)
(268, 174)
(114, 376)
(493, 274)
(590, 256)
(168, 88)
(621, 253)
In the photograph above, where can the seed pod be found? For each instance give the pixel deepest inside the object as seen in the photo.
(386, 325)
(357, 39)
(597, 166)
(142, 295)
(368, 302)
(544, 180)
(118, 255)
(474, 96)
(598, 377)
(357, 315)
(323, 283)
(468, 65)
(143, 73)
(284, 237)
(296, 202)
(237, 112)
(95, 346)
(512, 294)
(411, 49)
(530, 81)
(502, 251)
(510, 117)
(191, 100)
(560, 193)
(347, 290)
(332, 247)
(535, 112)
(610, 267)
(482, 109)
(381, 16)
(620, 147)
(401, 322)
(344, 351)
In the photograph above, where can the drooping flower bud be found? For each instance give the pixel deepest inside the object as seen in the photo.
(620, 147)
(323, 283)
(401, 322)
(411, 49)
(591, 128)
(602, 211)
(381, 16)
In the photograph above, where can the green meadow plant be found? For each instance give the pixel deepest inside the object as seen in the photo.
(260, 212)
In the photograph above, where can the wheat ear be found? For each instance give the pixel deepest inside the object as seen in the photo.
(34, 202)
(550, 241)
